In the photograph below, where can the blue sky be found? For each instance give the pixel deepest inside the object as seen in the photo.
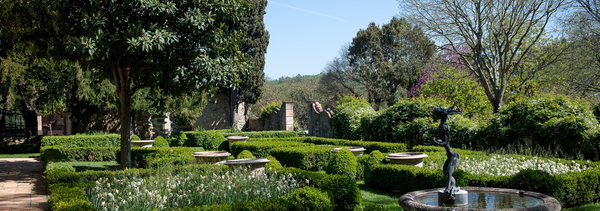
(307, 34)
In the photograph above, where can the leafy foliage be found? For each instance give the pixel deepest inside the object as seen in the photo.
(160, 142)
(342, 162)
(245, 155)
(348, 113)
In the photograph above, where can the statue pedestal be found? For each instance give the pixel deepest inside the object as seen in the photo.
(461, 198)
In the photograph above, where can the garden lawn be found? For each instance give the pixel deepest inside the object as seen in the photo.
(378, 198)
(589, 207)
(23, 155)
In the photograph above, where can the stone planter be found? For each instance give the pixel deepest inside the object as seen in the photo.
(214, 157)
(233, 139)
(357, 151)
(407, 158)
(142, 143)
(256, 165)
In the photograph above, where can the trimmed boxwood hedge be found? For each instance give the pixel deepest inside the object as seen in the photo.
(209, 140)
(368, 145)
(108, 140)
(343, 191)
(140, 157)
(264, 134)
(66, 154)
(313, 158)
(260, 147)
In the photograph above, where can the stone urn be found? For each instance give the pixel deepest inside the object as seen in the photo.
(142, 143)
(407, 158)
(214, 157)
(357, 151)
(256, 165)
(233, 139)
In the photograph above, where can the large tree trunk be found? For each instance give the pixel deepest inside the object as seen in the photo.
(125, 160)
(121, 79)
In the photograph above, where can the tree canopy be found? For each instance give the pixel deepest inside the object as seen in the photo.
(506, 39)
(181, 47)
(383, 62)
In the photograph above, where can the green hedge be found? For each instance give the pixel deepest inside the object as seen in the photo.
(66, 154)
(343, 191)
(571, 189)
(368, 145)
(20, 148)
(109, 140)
(140, 157)
(209, 140)
(264, 134)
(261, 147)
(69, 196)
(342, 162)
(313, 158)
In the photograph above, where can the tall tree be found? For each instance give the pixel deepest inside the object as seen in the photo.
(503, 37)
(181, 47)
(386, 61)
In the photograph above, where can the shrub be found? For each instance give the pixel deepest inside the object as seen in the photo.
(209, 139)
(342, 162)
(309, 198)
(348, 113)
(64, 154)
(181, 139)
(273, 165)
(245, 155)
(343, 191)
(312, 158)
(266, 111)
(110, 140)
(381, 126)
(59, 166)
(160, 157)
(69, 196)
(370, 160)
(135, 138)
(261, 147)
(410, 132)
(160, 142)
(543, 117)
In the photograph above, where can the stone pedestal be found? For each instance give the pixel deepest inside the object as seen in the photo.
(461, 198)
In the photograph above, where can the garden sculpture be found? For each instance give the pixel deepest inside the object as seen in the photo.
(442, 138)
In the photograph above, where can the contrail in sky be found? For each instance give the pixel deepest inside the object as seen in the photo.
(304, 10)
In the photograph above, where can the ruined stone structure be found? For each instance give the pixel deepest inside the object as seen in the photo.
(222, 112)
(319, 120)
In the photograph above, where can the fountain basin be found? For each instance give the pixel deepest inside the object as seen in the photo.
(214, 157)
(357, 151)
(233, 139)
(255, 165)
(481, 198)
(142, 143)
(407, 158)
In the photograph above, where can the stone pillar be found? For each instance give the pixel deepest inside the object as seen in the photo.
(39, 125)
(287, 112)
(313, 118)
(68, 124)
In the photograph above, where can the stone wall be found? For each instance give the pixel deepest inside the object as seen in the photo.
(319, 120)
(220, 113)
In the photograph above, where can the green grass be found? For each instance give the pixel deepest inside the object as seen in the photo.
(589, 207)
(22, 155)
(372, 197)
(97, 166)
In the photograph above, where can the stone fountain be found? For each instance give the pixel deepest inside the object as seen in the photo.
(469, 198)
(214, 157)
(357, 151)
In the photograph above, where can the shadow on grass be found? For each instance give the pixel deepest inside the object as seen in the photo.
(589, 207)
